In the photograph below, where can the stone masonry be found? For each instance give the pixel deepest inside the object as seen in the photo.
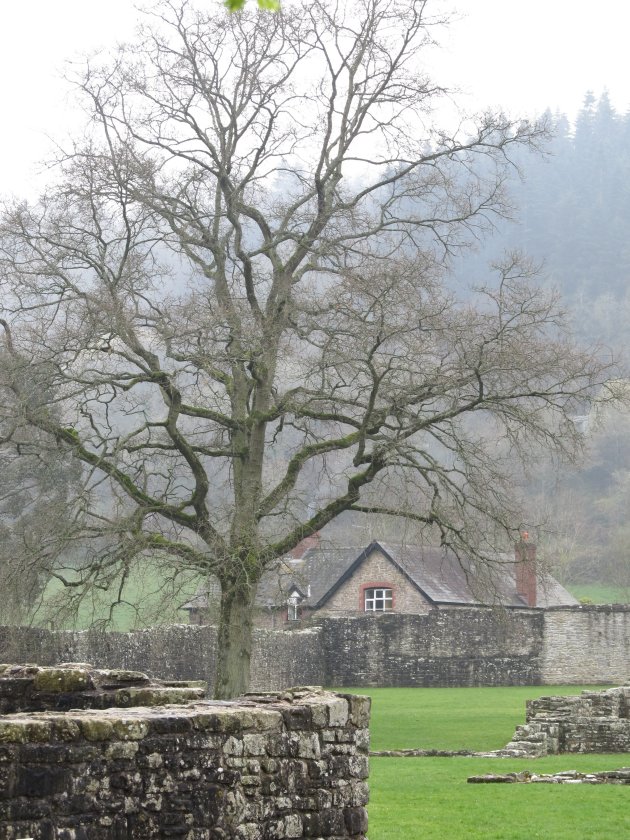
(448, 647)
(592, 722)
(72, 685)
(288, 765)
(586, 644)
(567, 777)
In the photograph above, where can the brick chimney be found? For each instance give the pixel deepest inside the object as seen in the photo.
(525, 569)
(303, 546)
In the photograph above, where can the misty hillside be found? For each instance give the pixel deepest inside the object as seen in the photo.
(571, 216)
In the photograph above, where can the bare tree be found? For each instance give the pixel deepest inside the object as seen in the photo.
(238, 283)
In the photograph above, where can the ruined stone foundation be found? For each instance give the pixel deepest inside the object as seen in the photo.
(286, 765)
(592, 722)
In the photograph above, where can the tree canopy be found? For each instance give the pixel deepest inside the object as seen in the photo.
(236, 290)
(265, 5)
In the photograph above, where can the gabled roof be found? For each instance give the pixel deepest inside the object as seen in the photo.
(446, 579)
(316, 569)
(436, 572)
(335, 584)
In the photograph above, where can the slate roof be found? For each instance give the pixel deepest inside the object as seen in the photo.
(444, 579)
(435, 572)
(317, 569)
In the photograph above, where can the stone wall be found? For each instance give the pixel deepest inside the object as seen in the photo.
(179, 652)
(175, 652)
(592, 722)
(277, 766)
(586, 644)
(459, 646)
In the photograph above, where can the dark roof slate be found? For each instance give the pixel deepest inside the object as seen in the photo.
(446, 579)
(435, 572)
(316, 569)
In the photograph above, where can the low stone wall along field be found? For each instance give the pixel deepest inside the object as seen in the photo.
(468, 646)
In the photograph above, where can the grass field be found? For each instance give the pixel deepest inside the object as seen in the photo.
(152, 595)
(451, 718)
(600, 593)
(429, 799)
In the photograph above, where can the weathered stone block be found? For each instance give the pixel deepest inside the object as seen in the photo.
(247, 831)
(157, 696)
(24, 730)
(299, 717)
(308, 746)
(96, 729)
(359, 709)
(292, 826)
(254, 744)
(233, 746)
(337, 712)
(116, 676)
(131, 729)
(356, 820)
(360, 793)
(53, 680)
(324, 823)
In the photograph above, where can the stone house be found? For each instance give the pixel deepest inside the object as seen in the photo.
(385, 578)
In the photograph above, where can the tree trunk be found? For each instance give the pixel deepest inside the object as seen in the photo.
(235, 639)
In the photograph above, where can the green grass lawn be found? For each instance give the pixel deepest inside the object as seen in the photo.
(451, 718)
(429, 798)
(152, 595)
(600, 593)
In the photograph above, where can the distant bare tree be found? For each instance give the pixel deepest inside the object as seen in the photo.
(238, 285)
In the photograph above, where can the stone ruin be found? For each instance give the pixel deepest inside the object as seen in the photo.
(77, 685)
(88, 754)
(592, 722)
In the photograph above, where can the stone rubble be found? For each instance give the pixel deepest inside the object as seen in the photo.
(567, 777)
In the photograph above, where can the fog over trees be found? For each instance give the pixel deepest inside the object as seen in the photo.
(237, 293)
(571, 216)
(571, 213)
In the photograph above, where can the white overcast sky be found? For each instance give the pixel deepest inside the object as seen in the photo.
(523, 56)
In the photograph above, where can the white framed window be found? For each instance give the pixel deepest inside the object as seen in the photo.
(293, 609)
(378, 600)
